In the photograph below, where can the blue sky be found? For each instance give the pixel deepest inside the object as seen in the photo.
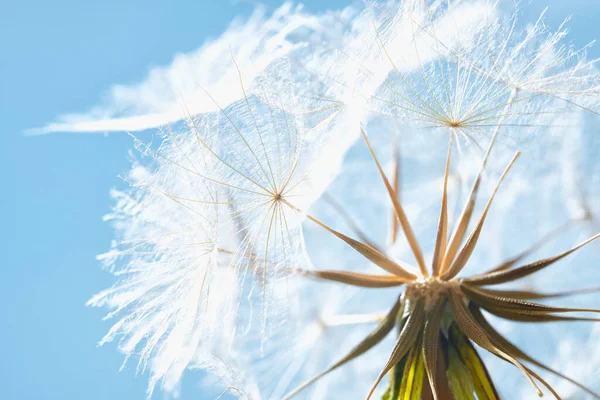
(59, 57)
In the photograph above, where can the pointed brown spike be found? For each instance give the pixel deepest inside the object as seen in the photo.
(517, 294)
(399, 211)
(504, 304)
(357, 279)
(516, 353)
(406, 340)
(349, 220)
(396, 187)
(385, 327)
(540, 318)
(465, 217)
(543, 382)
(442, 230)
(531, 295)
(467, 249)
(461, 227)
(503, 342)
(528, 269)
(460, 230)
(369, 253)
(431, 340)
(474, 332)
(533, 248)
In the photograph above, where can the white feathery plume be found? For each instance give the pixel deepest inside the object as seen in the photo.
(436, 93)
(344, 73)
(535, 60)
(487, 75)
(165, 260)
(212, 221)
(254, 42)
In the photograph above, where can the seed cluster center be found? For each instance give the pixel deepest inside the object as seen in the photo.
(429, 290)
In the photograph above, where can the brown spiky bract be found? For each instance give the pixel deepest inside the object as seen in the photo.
(439, 316)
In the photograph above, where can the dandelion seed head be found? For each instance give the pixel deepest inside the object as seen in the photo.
(211, 256)
(210, 229)
(474, 72)
(164, 259)
(454, 304)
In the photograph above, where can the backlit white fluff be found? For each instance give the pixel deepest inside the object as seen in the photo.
(166, 260)
(210, 229)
